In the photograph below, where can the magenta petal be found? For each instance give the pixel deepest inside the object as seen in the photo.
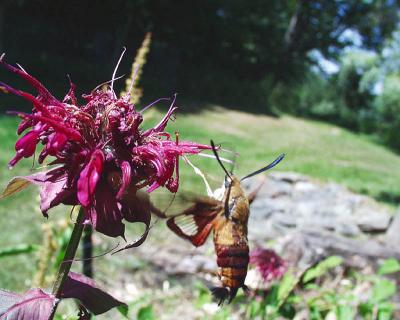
(126, 178)
(25, 146)
(153, 187)
(44, 93)
(25, 124)
(33, 304)
(55, 191)
(84, 289)
(89, 177)
(38, 105)
(163, 123)
(71, 94)
(104, 214)
(57, 125)
(56, 142)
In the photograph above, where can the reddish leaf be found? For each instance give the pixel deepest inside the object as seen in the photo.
(89, 294)
(33, 304)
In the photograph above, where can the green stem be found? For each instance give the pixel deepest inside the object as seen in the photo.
(69, 256)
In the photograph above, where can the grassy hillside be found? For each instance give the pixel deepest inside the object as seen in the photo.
(320, 150)
(323, 151)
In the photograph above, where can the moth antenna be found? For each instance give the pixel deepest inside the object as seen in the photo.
(219, 160)
(271, 165)
(115, 70)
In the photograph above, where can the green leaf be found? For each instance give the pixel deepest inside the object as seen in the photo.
(286, 286)
(145, 313)
(62, 239)
(390, 265)
(18, 249)
(383, 289)
(385, 310)
(321, 268)
(123, 309)
(278, 293)
(345, 313)
(365, 309)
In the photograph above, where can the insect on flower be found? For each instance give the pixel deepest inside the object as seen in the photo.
(100, 157)
(226, 212)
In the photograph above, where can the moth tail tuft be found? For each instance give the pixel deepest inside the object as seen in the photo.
(220, 294)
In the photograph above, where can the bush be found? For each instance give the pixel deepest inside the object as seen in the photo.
(388, 108)
(313, 97)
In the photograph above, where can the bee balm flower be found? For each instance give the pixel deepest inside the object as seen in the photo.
(268, 263)
(98, 152)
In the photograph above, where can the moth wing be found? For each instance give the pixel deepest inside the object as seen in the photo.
(196, 222)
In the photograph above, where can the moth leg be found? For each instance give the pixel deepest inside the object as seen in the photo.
(159, 213)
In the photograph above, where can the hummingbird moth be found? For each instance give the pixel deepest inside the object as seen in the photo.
(226, 213)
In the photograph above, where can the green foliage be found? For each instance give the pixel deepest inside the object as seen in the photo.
(123, 310)
(203, 295)
(62, 237)
(321, 268)
(326, 297)
(353, 160)
(363, 96)
(382, 290)
(389, 266)
(246, 41)
(379, 302)
(314, 97)
(146, 313)
(17, 249)
(388, 107)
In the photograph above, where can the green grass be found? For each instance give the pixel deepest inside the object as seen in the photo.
(317, 149)
(320, 150)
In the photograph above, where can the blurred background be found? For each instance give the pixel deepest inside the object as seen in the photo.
(317, 80)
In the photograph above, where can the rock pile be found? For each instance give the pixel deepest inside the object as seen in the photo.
(316, 219)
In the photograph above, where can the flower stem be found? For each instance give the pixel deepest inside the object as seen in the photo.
(87, 251)
(69, 256)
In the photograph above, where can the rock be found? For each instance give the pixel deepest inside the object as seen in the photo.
(393, 233)
(290, 177)
(372, 221)
(305, 186)
(302, 219)
(347, 229)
